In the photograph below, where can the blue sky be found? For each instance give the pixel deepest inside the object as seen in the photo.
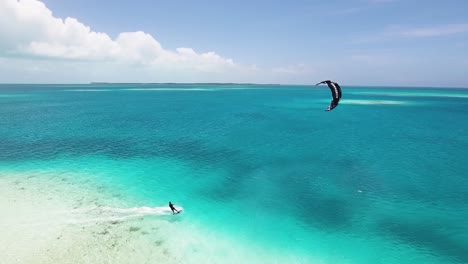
(355, 42)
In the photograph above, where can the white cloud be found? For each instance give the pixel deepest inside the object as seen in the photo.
(28, 28)
(36, 46)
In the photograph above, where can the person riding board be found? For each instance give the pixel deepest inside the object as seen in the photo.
(174, 211)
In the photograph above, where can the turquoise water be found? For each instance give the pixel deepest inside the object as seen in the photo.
(380, 179)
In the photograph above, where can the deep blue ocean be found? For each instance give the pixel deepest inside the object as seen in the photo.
(382, 178)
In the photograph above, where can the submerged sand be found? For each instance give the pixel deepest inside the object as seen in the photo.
(61, 220)
(45, 222)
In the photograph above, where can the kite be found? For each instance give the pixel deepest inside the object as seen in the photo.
(336, 93)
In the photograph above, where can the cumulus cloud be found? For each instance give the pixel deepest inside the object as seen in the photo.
(37, 46)
(28, 28)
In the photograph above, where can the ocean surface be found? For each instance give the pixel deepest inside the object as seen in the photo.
(260, 170)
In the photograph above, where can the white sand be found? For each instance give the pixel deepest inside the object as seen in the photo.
(43, 222)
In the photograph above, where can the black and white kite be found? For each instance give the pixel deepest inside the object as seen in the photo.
(336, 93)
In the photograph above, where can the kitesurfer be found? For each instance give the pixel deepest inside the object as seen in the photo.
(174, 211)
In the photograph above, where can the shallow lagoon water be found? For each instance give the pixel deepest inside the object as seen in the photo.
(263, 173)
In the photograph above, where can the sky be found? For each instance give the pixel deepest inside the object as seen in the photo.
(353, 42)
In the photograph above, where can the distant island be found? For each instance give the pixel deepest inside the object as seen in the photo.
(171, 83)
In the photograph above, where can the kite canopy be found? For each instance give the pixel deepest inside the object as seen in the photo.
(336, 93)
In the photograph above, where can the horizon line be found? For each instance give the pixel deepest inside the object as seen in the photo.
(229, 83)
